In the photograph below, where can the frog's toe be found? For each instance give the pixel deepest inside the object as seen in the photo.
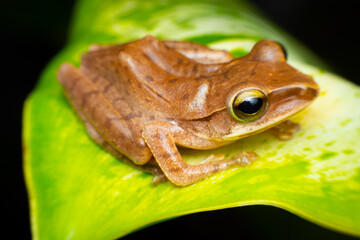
(159, 178)
(285, 130)
(245, 158)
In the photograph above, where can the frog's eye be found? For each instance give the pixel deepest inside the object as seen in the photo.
(248, 105)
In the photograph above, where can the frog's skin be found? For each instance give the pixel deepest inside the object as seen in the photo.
(143, 98)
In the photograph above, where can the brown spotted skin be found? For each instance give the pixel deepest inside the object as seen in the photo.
(142, 98)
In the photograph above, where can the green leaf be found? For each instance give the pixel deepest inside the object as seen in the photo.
(78, 191)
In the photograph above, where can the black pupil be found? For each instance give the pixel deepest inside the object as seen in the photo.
(250, 105)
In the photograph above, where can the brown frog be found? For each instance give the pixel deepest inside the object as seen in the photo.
(144, 98)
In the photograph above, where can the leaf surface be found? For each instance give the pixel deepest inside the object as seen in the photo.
(78, 191)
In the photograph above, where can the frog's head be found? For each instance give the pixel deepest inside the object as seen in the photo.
(269, 92)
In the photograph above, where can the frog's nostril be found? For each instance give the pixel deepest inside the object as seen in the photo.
(313, 91)
(307, 93)
(303, 91)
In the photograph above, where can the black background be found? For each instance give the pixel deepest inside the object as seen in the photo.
(32, 32)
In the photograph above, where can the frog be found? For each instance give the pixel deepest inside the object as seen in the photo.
(144, 100)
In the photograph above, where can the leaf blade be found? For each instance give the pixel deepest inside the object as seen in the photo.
(78, 191)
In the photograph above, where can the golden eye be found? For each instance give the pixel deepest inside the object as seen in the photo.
(248, 105)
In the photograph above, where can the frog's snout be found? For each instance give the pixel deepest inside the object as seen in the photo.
(288, 101)
(308, 93)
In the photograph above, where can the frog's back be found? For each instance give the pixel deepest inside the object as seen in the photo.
(155, 80)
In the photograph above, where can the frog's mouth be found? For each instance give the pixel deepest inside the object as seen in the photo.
(282, 104)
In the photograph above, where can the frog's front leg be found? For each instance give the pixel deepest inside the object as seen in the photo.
(162, 142)
(150, 167)
(285, 130)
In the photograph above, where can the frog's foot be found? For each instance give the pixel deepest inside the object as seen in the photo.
(158, 178)
(241, 159)
(285, 130)
(244, 158)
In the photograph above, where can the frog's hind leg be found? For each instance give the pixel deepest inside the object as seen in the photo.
(200, 53)
(161, 140)
(150, 167)
(99, 113)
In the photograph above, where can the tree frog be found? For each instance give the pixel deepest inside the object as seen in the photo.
(143, 99)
